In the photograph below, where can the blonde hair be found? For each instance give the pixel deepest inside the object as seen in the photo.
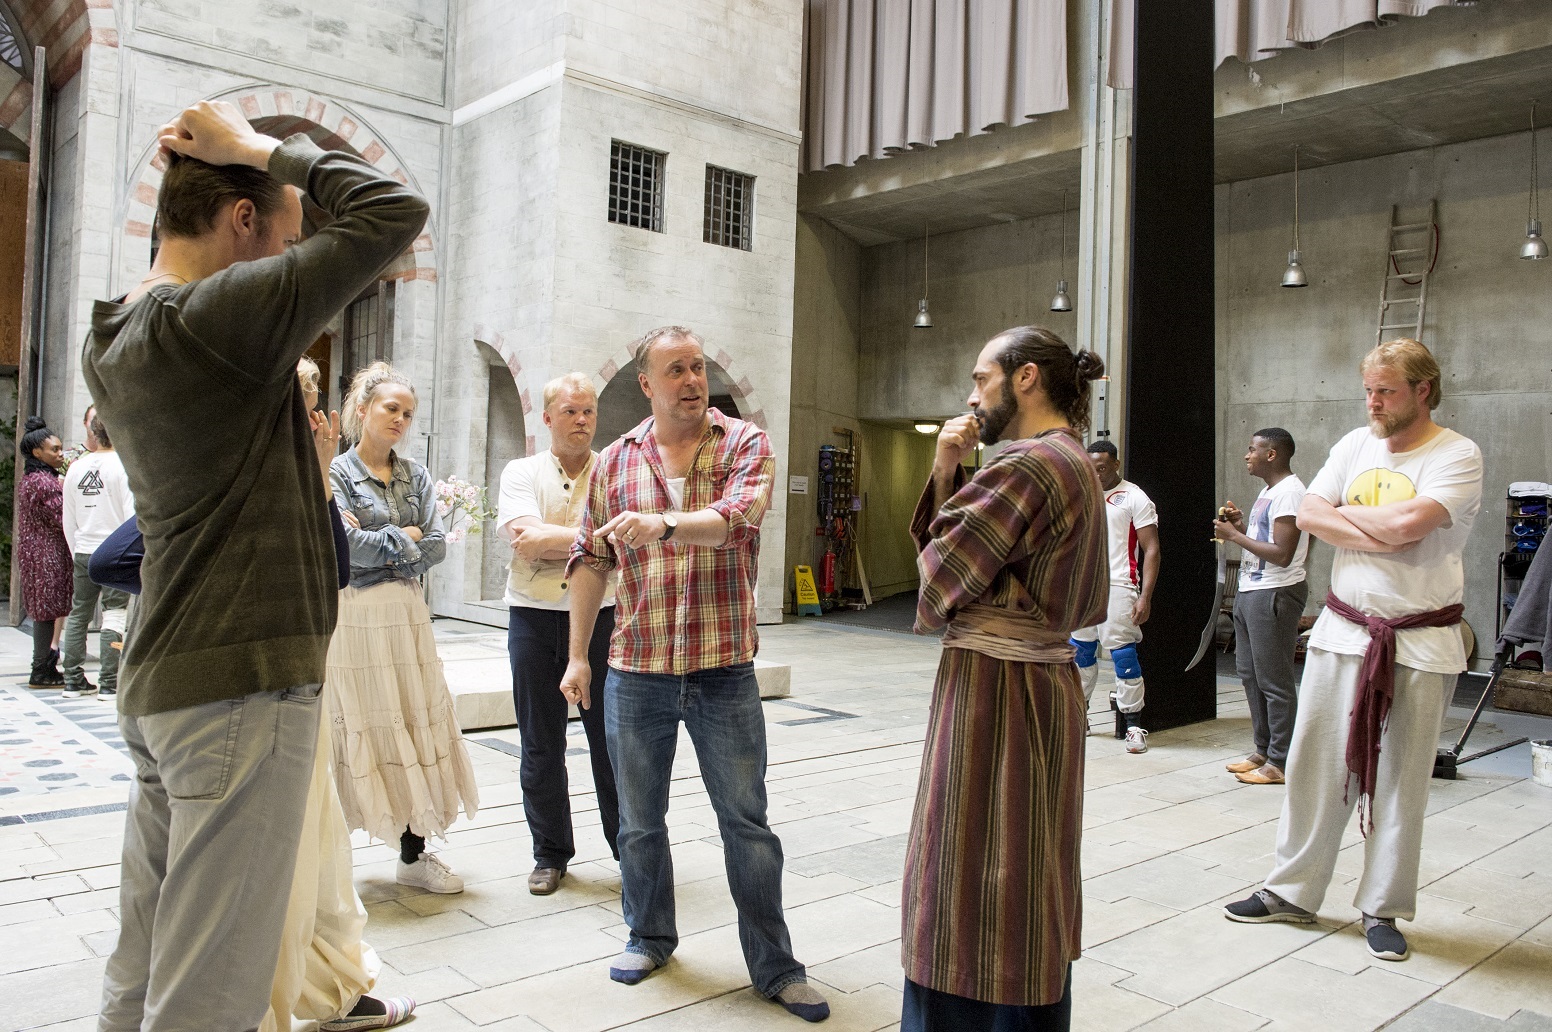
(362, 388)
(652, 339)
(307, 374)
(1412, 359)
(577, 383)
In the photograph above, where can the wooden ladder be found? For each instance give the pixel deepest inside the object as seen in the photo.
(1412, 248)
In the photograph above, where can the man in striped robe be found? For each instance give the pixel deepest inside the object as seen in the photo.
(1012, 561)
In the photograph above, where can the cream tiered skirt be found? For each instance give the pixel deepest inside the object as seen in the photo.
(399, 758)
(324, 967)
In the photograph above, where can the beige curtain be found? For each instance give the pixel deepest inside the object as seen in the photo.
(886, 75)
(1252, 30)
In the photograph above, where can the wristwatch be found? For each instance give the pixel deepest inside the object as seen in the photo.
(670, 524)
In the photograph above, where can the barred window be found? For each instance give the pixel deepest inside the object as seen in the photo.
(729, 208)
(636, 186)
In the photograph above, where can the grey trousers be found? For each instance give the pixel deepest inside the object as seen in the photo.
(72, 646)
(1266, 627)
(1321, 796)
(210, 844)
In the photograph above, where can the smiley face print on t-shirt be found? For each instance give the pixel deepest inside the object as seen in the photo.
(1380, 486)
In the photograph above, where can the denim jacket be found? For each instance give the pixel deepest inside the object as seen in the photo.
(380, 549)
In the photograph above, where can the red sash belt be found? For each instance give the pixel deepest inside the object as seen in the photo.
(1376, 691)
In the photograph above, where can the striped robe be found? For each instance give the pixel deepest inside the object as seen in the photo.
(991, 892)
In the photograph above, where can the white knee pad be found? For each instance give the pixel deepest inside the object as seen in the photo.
(1129, 694)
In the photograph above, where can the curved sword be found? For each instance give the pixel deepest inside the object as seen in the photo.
(1210, 631)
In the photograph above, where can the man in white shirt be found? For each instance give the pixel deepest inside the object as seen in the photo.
(1397, 500)
(1133, 525)
(541, 504)
(1270, 600)
(96, 501)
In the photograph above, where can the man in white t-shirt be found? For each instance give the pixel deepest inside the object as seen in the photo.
(541, 504)
(1134, 570)
(1397, 499)
(1270, 600)
(96, 501)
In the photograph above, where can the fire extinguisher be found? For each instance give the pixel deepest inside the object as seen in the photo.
(827, 575)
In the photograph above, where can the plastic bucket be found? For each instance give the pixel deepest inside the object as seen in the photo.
(1541, 762)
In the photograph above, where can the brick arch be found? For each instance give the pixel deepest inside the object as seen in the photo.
(282, 111)
(530, 388)
(738, 386)
(65, 29)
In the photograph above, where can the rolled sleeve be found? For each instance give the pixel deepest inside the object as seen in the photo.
(596, 553)
(748, 491)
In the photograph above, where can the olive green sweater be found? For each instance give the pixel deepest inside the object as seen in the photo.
(198, 385)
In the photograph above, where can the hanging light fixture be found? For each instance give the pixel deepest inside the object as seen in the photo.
(923, 317)
(1061, 302)
(926, 426)
(1293, 276)
(1534, 247)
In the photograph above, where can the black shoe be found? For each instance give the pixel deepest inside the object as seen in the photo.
(1264, 906)
(107, 693)
(1385, 942)
(43, 677)
(76, 689)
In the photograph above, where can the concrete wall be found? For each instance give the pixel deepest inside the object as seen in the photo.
(1289, 357)
(982, 281)
(895, 465)
(826, 331)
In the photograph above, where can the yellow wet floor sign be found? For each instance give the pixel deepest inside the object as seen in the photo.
(808, 594)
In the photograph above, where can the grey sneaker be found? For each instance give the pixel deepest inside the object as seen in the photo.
(1385, 942)
(76, 690)
(1264, 906)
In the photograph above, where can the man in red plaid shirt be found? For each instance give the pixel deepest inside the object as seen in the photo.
(675, 505)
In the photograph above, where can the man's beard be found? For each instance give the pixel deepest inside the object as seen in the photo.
(996, 419)
(1391, 423)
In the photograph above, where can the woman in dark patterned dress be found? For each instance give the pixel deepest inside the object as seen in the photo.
(47, 568)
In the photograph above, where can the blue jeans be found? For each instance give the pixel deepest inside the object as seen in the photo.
(721, 710)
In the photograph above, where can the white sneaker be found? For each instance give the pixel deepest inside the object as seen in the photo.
(429, 873)
(1136, 740)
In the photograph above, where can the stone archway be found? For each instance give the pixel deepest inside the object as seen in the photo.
(507, 437)
(65, 29)
(279, 111)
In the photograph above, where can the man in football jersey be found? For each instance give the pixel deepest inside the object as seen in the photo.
(1134, 571)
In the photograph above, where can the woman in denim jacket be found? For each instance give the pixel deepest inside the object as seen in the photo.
(399, 758)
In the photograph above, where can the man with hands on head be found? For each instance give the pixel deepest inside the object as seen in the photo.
(219, 685)
(540, 509)
(675, 505)
(1269, 602)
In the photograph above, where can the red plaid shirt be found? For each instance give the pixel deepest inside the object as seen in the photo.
(682, 608)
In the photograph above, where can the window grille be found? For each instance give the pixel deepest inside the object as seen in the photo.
(10, 44)
(729, 208)
(636, 186)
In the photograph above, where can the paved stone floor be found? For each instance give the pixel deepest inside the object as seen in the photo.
(1169, 838)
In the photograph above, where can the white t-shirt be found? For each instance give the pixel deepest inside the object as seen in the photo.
(676, 492)
(96, 500)
(538, 486)
(1127, 510)
(1362, 471)
(1272, 504)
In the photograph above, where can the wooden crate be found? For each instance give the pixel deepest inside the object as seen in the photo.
(1524, 691)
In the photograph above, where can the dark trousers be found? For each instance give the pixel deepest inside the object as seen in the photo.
(1266, 628)
(929, 1010)
(537, 644)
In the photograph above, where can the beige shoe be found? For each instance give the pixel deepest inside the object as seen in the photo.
(1266, 774)
(1246, 765)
